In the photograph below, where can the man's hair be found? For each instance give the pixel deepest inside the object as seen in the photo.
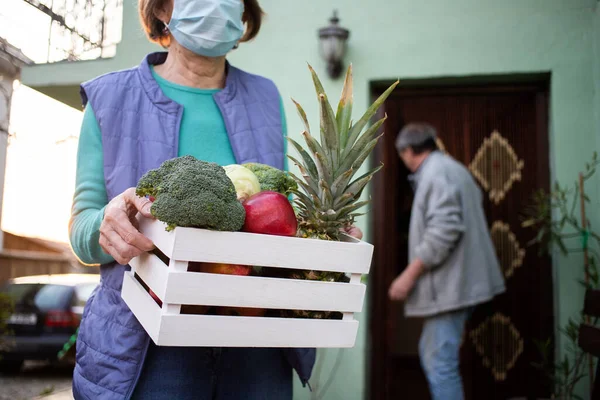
(419, 137)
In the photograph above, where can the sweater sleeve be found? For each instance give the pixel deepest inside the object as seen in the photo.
(90, 197)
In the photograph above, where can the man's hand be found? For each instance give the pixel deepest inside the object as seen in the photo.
(119, 236)
(401, 287)
(404, 284)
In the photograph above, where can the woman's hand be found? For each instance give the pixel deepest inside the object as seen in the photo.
(119, 235)
(353, 231)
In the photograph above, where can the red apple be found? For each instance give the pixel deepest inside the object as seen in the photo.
(155, 297)
(270, 213)
(221, 268)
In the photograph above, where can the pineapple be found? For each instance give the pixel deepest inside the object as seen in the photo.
(328, 198)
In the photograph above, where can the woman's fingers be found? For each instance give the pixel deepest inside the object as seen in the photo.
(141, 204)
(113, 244)
(128, 233)
(119, 236)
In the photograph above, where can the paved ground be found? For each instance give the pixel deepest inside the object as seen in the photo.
(38, 380)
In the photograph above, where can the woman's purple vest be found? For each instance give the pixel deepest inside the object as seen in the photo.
(140, 130)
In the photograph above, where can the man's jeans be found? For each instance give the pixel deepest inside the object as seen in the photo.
(197, 373)
(439, 349)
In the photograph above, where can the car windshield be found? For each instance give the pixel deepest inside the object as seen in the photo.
(44, 297)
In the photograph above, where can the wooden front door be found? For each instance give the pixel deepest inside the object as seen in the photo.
(500, 133)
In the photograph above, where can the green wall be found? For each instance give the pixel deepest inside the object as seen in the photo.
(416, 39)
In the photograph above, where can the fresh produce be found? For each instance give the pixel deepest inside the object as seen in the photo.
(328, 195)
(193, 309)
(270, 213)
(245, 182)
(155, 297)
(329, 199)
(241, 311)
(227, 269)
(192, 193)
(220, 268)
(272, 179)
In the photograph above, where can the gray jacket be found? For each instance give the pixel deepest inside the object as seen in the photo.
(449, 233)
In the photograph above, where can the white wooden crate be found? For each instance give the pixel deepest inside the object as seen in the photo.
(175, 286)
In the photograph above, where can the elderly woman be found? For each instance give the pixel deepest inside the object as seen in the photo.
(186, 101)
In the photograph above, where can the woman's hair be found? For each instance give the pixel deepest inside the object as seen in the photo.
(155, 28)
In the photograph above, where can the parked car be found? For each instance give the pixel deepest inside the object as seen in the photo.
(47, 312)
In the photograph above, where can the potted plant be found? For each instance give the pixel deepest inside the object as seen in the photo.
(562, 225)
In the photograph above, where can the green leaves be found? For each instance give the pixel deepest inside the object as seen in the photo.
(329, 197)
(344, 110)
(364, 120)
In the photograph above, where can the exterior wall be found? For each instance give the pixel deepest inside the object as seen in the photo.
(16, 264)
(24, 256)
(11, 61)
(6, 89)
(407, 39)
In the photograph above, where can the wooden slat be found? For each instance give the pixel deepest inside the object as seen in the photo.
(174, 267)
(354, 280)
(255, 292)
(153, 272)
(155, 231)
(142, 305)
(208, 330)
(263, 250)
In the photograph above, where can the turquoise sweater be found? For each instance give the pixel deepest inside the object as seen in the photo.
(202, 134)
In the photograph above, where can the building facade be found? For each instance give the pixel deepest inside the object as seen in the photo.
(518, 80)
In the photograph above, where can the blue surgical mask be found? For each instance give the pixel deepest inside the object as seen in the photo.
(208, 28)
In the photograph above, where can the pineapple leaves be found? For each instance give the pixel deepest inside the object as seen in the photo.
(339, 185)
(308, 203)
(324, 172)
(328, 196)
(365, 138)
(309, 164)
(345, 211)
(317, 82)
(344, 110)
(323, 167)
(329, 134)
(364, 120)
(343, 200)
(358, 155)
(302, 116)
(354, 191)
(309, 185)
(370, 173)
(357, 186)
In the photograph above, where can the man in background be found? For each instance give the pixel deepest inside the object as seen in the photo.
(452, 262)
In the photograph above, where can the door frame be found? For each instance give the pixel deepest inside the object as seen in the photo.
(379, 369)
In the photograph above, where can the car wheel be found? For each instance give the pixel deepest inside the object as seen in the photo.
(9, 367)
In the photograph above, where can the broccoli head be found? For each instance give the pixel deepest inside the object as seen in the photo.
(273, 179)
(189, 192)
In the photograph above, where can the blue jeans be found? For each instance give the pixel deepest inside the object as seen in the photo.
(439, 350)
(214, 374)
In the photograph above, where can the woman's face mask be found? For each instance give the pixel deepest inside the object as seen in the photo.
(209, 28)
